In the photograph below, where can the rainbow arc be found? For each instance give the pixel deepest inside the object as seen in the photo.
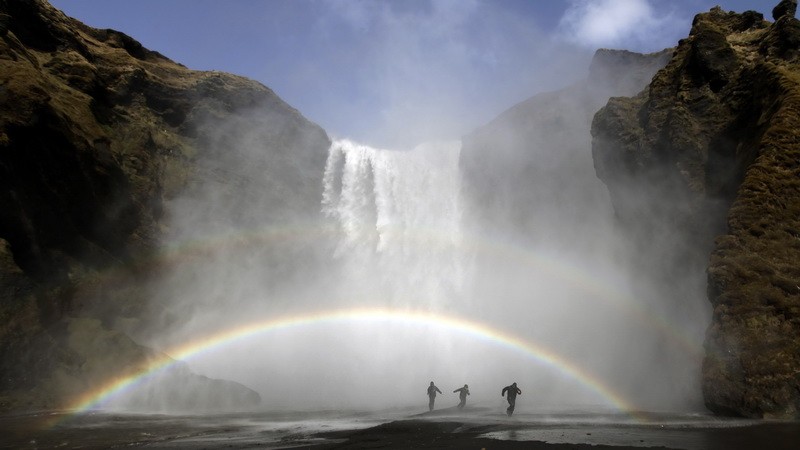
(96, 398)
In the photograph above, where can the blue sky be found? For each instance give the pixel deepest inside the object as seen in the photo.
(396, 73)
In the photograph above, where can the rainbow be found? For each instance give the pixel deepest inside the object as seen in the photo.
(602, 289)
(206, 246)
(96, 398)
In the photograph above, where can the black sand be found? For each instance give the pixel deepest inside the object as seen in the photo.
(476, 428)
(449, 433)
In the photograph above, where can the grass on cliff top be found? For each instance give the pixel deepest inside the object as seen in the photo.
(745, 43)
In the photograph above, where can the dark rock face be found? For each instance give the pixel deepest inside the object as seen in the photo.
(784, 8)
(706, 161)
(98, 137)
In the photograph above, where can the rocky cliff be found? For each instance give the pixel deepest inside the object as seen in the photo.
(705, 161)
(101, 140)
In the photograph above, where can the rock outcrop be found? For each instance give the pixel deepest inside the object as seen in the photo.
(99, 137)
(705, 162)
(784, 8)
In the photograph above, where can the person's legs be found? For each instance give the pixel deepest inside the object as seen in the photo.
(511, 402)
(430, 404)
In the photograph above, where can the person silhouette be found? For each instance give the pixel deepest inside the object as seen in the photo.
(432, 390)
(462, 395)
(513, 391)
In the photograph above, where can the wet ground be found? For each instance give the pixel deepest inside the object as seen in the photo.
(471, 428)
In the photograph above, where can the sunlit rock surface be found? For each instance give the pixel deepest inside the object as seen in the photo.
(711, 149)
(98, 136)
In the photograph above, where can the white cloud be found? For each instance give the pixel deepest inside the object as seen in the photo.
(356, 14)
(629, 24)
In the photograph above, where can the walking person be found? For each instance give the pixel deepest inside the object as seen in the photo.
(462, 395)
(432, 390)
(513, 391)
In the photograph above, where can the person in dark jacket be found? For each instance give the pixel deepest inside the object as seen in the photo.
(432, 390)
(513, 391)
(462, 395)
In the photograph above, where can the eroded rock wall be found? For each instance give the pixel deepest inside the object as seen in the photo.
(706, 161)
(98, 138)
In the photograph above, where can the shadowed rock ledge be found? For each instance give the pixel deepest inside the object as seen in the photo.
(708, 156)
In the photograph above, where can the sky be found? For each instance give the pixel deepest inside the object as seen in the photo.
(398, 73)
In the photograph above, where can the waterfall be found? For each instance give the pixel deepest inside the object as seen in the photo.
(404, 238)
(545, 305)
(398, 216)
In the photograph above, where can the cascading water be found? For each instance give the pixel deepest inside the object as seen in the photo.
(399, 218)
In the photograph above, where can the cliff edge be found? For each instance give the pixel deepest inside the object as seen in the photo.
(705, 161)
(98, 137)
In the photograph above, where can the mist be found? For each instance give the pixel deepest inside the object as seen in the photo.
(505, 226)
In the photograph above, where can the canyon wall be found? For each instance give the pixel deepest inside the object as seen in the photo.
(706, 160)
(100, 140)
